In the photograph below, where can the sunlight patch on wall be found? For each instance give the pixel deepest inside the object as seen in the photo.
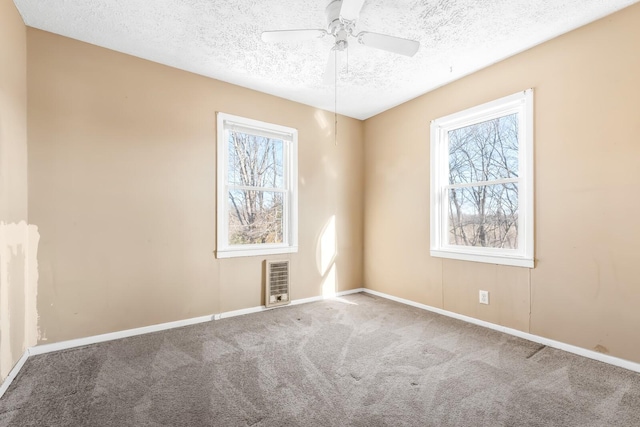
(326, 254)
(324, 122)
(330, 283)
(327, 246)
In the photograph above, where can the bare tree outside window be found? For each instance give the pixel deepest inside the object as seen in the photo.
(483, 184)
(256, 189)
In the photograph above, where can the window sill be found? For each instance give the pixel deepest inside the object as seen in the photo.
(244, 252)
(485, 258)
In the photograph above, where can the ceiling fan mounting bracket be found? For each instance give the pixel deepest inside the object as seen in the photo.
(335, 23)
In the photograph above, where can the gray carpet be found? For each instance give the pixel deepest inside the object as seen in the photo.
(362, 361)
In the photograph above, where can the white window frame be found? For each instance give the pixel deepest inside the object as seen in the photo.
(523, 256)
(290, 178)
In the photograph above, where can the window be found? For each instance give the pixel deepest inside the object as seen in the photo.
(482, 183)
(257, 188)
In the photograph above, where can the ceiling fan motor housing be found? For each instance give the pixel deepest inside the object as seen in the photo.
(337, 27)
(334, 22)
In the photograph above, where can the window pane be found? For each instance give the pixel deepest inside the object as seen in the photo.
(255, 161)
(255, 217)
(484, 151)
(484, 216)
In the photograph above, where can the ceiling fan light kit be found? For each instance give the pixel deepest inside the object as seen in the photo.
(342, 16)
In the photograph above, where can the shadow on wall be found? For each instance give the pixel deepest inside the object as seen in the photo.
(326, 254)
(18, 292)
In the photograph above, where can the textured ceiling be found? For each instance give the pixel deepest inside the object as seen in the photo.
(221, 39)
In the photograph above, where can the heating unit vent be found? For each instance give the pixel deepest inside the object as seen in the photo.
(277, 281)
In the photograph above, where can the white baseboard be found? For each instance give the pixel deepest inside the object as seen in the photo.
(260, 308)
(241, 312)
(350, 292)
(95, 339)
(13, 373)
(305, 300)
(611, 360)
(80, 342)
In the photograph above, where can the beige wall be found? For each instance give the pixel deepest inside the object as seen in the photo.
(122, 185)
(13, 117)
(17, 293)
(122, 177)
(585, 288)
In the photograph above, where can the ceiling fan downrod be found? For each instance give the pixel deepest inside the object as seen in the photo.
(338, 26)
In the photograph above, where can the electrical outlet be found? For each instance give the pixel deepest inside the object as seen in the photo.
(484, 297)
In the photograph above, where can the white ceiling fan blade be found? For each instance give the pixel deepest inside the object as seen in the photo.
(389, 43)
(330, 70)
(291, 35)
(334, 65)
(350, 9)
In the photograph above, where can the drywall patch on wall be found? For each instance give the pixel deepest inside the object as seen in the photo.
(18, 291)
(14, 266)
(32, 332)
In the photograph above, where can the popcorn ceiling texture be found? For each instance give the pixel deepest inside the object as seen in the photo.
(221, 39)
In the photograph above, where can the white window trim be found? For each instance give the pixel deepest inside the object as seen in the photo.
(522, 103)
(290, 234)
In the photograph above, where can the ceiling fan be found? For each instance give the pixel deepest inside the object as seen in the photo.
(342, 16)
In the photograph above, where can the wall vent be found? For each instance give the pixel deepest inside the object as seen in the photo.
(277, 283)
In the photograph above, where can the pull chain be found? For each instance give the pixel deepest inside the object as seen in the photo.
(335, 97)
